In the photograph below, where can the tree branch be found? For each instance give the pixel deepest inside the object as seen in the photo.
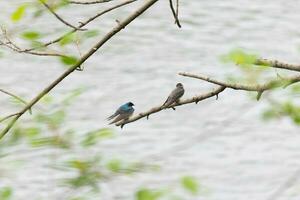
(58, 17)
(256, 88)
(8, 116)
(89, 2)
(82, 24)
(14, 96)
(277, 64)
(174, 14)
(11, 45)
(109, 35)
(159, 108)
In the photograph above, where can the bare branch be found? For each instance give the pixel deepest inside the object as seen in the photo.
(14, 96)
(82, 24)
(174, 14)
(257, 88)
(89, 2)
(58, 17)
(8, 116)
(177, 8)
(13, 46)
(98, 45)
(277, 64)
(159, 108)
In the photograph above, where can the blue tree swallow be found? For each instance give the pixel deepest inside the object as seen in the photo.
(175, 95)
(122, 113)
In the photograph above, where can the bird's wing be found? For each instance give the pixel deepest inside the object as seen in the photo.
(114, 115)
(174, 96)
(121, 117)
(178, 93)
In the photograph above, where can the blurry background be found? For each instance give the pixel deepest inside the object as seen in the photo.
(224, 144)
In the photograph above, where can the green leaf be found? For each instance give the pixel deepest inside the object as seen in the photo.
(69, 38)
(32, 132)
(93, 137)
(72, 96)
(270, 114)
(114, 165)
(63, 3)
(37, 44)
(69, 60)
(146, 194)
(91, 33)
(47, 99)
(190, 184)
(31, 35)
(79, 164)
(53, 120)
(5, 193)
(18, 13)
(50, 141)
(239, 57)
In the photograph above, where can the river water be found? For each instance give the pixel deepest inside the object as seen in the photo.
(225, 144)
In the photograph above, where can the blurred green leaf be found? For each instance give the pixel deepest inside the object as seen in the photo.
(91, 33)
(85, 180)
(69, 60)
(32, 132)
(239, 57)
(53, 120)
(295, 88)
(70, 97)
(53, 141)
(87, 173)
(15, 136)
(190, 184)
(80, 165)
(38, 13)
(147, 194)
(63, 3)
(5, 193)
(31, 35)
(114, 165)
(18, 13)
(69, 38)
(93, 137)
(269, 114)
(47, 99)
(37, 44)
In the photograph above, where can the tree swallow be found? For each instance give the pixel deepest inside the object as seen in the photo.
(122, 113)
(175, 95)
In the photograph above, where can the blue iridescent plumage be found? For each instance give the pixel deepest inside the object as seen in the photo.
(122, 113)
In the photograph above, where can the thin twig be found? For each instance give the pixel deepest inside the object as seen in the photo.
(89, 2)
(99, 44)
(8, 116)
(277, 64)
(177, 9)
(58, 17)
(11, 45)
(260, 88)
(82, 24)
(159, 108)
(14, 96)
(174, 14)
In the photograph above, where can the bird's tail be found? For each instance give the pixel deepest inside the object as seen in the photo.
(166, 103)
(119, 118)
(112, 116)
